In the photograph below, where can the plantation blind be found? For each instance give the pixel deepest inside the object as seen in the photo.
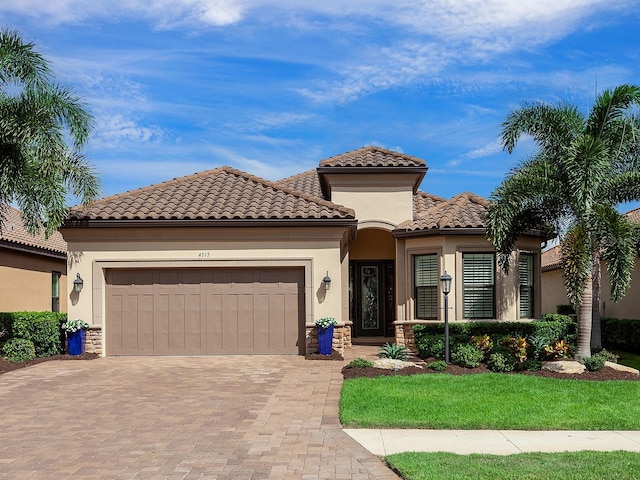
(425, 269)
(478, 270)
(525, 271)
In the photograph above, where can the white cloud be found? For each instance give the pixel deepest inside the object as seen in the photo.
(114, 130)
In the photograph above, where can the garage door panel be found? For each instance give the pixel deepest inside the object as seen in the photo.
(215, 311)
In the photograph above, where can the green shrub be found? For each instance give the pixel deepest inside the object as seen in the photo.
(18, 350)
(499, 362)
(467, 356)
(621, 334)
(360, 363)
(394, 351)
(438, 365)
(42, 328)
(431, 346)
(565, 309)
(594, 362)
(530, 365)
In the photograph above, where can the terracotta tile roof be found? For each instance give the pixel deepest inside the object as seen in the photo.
(220, 194)
(373, 157)
(465, 210)
(634, 215)
(306, 182)
(14, 231)
(550, 259)
(423, 201)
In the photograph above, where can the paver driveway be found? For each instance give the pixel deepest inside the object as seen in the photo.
(236, 417)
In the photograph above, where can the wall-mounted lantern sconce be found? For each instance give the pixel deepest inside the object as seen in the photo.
(326, 281)
(78, 283)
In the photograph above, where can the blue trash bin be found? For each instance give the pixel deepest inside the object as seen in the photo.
(75, 342)
(325, 340)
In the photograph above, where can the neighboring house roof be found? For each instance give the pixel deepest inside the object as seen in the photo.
(220, 196)
(14, 234)
(373, 157)
(464, 211)
(551, 259)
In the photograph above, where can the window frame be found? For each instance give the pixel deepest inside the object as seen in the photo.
(55, 290)
(469, 312)
(431, 290)
(529, 287)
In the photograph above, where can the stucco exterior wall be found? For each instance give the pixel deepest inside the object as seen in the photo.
(318, 250)
(555, 293)
(450, 249)
(25, 281)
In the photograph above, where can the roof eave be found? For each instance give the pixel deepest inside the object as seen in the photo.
(20, 247)
(232, 222)
(440, 231)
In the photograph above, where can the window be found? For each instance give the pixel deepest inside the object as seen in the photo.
(478, 271)
(55, 291)
(525, 270)
(425, 269)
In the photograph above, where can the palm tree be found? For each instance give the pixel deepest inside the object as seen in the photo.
(43, 128)
(584, 167)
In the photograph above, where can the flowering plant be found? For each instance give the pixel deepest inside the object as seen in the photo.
(325, 322)
(74, 325)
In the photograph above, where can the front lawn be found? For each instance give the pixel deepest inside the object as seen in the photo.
(490, 401)
(562, 466)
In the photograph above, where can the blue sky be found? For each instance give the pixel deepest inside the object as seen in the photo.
(273, 86)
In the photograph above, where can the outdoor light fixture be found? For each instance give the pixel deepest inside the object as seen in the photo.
(326, 281)
(445, 282)
(78, 283)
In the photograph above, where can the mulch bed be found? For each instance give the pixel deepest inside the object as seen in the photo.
(606, 373)
(7, 366)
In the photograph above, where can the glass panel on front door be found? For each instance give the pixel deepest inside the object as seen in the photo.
(369, 287)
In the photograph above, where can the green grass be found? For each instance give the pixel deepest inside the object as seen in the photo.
(629, 359)
(566, 466)
(490, 401)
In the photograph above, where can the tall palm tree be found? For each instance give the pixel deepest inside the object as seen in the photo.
(43, 128)
(584, 167)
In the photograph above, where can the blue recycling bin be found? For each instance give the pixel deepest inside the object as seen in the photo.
(325, 340)
(75, 342)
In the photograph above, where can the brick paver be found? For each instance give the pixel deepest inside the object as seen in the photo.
(182, 418)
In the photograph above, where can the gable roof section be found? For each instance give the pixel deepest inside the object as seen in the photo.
(305, 182)
(373, 157)
(464, 213)
(222, 196)
(15, 235)
(371, 160)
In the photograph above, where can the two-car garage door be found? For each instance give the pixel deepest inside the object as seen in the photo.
(194, 311)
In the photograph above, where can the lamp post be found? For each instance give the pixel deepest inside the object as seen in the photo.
(445, 282)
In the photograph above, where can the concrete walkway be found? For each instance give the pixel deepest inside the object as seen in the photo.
(497, 442)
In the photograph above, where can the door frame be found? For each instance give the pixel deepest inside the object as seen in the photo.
(386, 298)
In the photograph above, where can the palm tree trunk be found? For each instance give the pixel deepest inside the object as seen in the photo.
(585, 317)
(596, 332)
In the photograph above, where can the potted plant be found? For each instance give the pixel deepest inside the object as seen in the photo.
(325, 334)
(75, 335)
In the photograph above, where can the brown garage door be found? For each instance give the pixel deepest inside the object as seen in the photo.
(204, 311)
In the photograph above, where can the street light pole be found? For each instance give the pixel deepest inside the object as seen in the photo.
(445, 281)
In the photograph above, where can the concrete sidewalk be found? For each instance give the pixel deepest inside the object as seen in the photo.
(498, 442)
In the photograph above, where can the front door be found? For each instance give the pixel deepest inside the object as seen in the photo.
(372, 297)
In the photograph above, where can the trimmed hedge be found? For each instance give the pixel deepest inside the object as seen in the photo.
(554, 327)
(621, 334)
(41, 328)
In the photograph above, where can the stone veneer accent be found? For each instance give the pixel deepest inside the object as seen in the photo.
(341, 338)
(93, 340)
(405, 335)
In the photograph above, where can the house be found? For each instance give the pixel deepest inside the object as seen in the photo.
(33, 269)
(224, 262)
(554, 292)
